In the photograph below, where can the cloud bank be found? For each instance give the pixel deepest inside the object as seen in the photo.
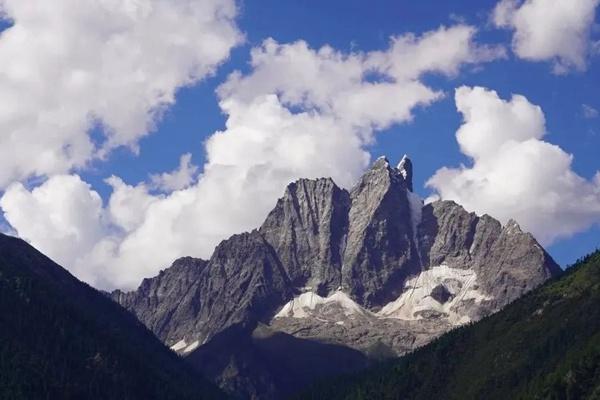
(78, 79)
(298, 112)
(514, 172)
(549, 30)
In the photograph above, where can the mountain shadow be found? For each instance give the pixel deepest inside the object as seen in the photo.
(273, 364)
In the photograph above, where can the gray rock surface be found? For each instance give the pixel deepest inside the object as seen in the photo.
(379, 253)
(508, 261)
(243, 282)
(158, 301)
(307, 229)
(388, 274)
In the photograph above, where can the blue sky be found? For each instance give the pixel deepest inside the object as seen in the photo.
(429, 139)
(361, 27)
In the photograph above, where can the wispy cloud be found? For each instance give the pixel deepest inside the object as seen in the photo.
(589, 112)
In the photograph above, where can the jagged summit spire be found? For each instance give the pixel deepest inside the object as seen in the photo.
(406, 169)
(403, 170)
(403, 161)
(381, 162)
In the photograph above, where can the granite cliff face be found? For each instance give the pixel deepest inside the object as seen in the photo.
(307, 230)
(372, 271)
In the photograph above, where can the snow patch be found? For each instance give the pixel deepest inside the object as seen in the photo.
(192, 347)
(456, 291)
(302, 306)
(417, 301)
(400, 166)
(179, 345)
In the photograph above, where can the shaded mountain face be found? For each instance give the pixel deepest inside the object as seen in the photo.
(372, 269)
(271, 364)
(61, 339)
(545, 345)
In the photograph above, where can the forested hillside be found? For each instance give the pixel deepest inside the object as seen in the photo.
(61, 339)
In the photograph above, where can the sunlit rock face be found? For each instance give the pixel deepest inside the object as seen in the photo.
(372, 270)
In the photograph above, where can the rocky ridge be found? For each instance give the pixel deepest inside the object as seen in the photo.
(373, 269)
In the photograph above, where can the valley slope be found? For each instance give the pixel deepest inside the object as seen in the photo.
(61, 339)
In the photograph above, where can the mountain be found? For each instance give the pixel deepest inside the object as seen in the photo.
(61, 339)
(545, 345)
(371, 270)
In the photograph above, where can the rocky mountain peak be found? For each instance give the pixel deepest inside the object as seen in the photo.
(380, 251)
(406, 170)
(307, 229)
(381, 172)
(513, 226)
(370, 267)
(313, 186)
(380, 163)
(188, 262)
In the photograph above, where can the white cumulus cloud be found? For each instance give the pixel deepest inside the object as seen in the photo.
(549, 30)
(180, 178)
(64, 217)
(514, 172)
(72, 67)
(298, 113)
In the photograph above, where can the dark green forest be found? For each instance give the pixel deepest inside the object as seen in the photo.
(545, 345)
(61, 339)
